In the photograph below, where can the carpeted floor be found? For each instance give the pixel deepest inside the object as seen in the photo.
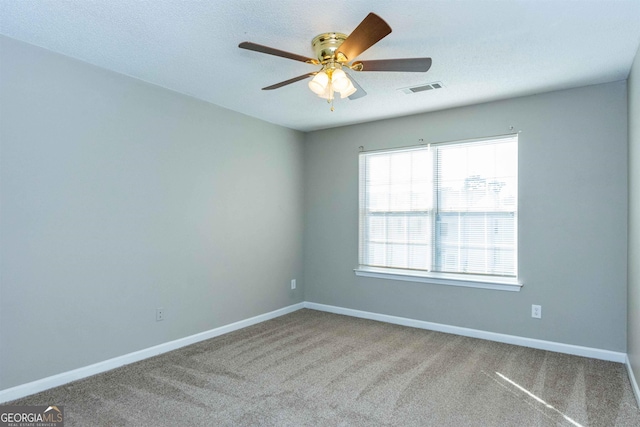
(311, 368)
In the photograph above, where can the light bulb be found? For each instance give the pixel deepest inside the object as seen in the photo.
(340, 80)
(319, 83)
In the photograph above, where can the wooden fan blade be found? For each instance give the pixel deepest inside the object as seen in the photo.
(276, 52)
(359, 93)
(419, 65)
(288, 82)
(370, 31)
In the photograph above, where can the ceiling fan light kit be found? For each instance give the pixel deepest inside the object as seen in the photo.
(336, 51)
(329, 80)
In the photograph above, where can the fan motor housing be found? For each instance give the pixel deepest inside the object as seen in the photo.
(326, 44)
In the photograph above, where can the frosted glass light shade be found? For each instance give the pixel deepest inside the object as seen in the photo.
(319, 83)
(340, 80)
(328, 93)
(350, 90)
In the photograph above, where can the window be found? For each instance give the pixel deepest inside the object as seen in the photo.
(447, 212)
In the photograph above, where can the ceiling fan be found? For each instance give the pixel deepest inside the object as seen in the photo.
(336, 52)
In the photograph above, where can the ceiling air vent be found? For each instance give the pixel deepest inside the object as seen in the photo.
(422, 88)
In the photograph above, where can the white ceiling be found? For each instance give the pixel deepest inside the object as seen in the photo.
(482, 50)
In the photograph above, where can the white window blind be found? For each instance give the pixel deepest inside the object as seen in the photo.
(448, 208)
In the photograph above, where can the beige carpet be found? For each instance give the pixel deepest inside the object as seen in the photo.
(311, 368)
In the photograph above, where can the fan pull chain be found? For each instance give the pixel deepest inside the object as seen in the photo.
(331, 92)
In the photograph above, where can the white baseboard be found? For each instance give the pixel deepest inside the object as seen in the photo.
(87, 371)
(632, 379)
(576, 350)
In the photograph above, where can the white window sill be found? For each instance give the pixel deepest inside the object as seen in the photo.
(471, 281)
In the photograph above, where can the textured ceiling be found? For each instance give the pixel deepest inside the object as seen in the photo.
(481, 50)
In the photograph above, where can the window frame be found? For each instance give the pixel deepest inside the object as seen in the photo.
(494, 282)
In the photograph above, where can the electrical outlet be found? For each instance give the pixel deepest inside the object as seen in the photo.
(159, 314)
(293, 283)
(536, 311)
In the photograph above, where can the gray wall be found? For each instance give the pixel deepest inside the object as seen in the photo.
(572, 221)
(118, 197)
(633, 322)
